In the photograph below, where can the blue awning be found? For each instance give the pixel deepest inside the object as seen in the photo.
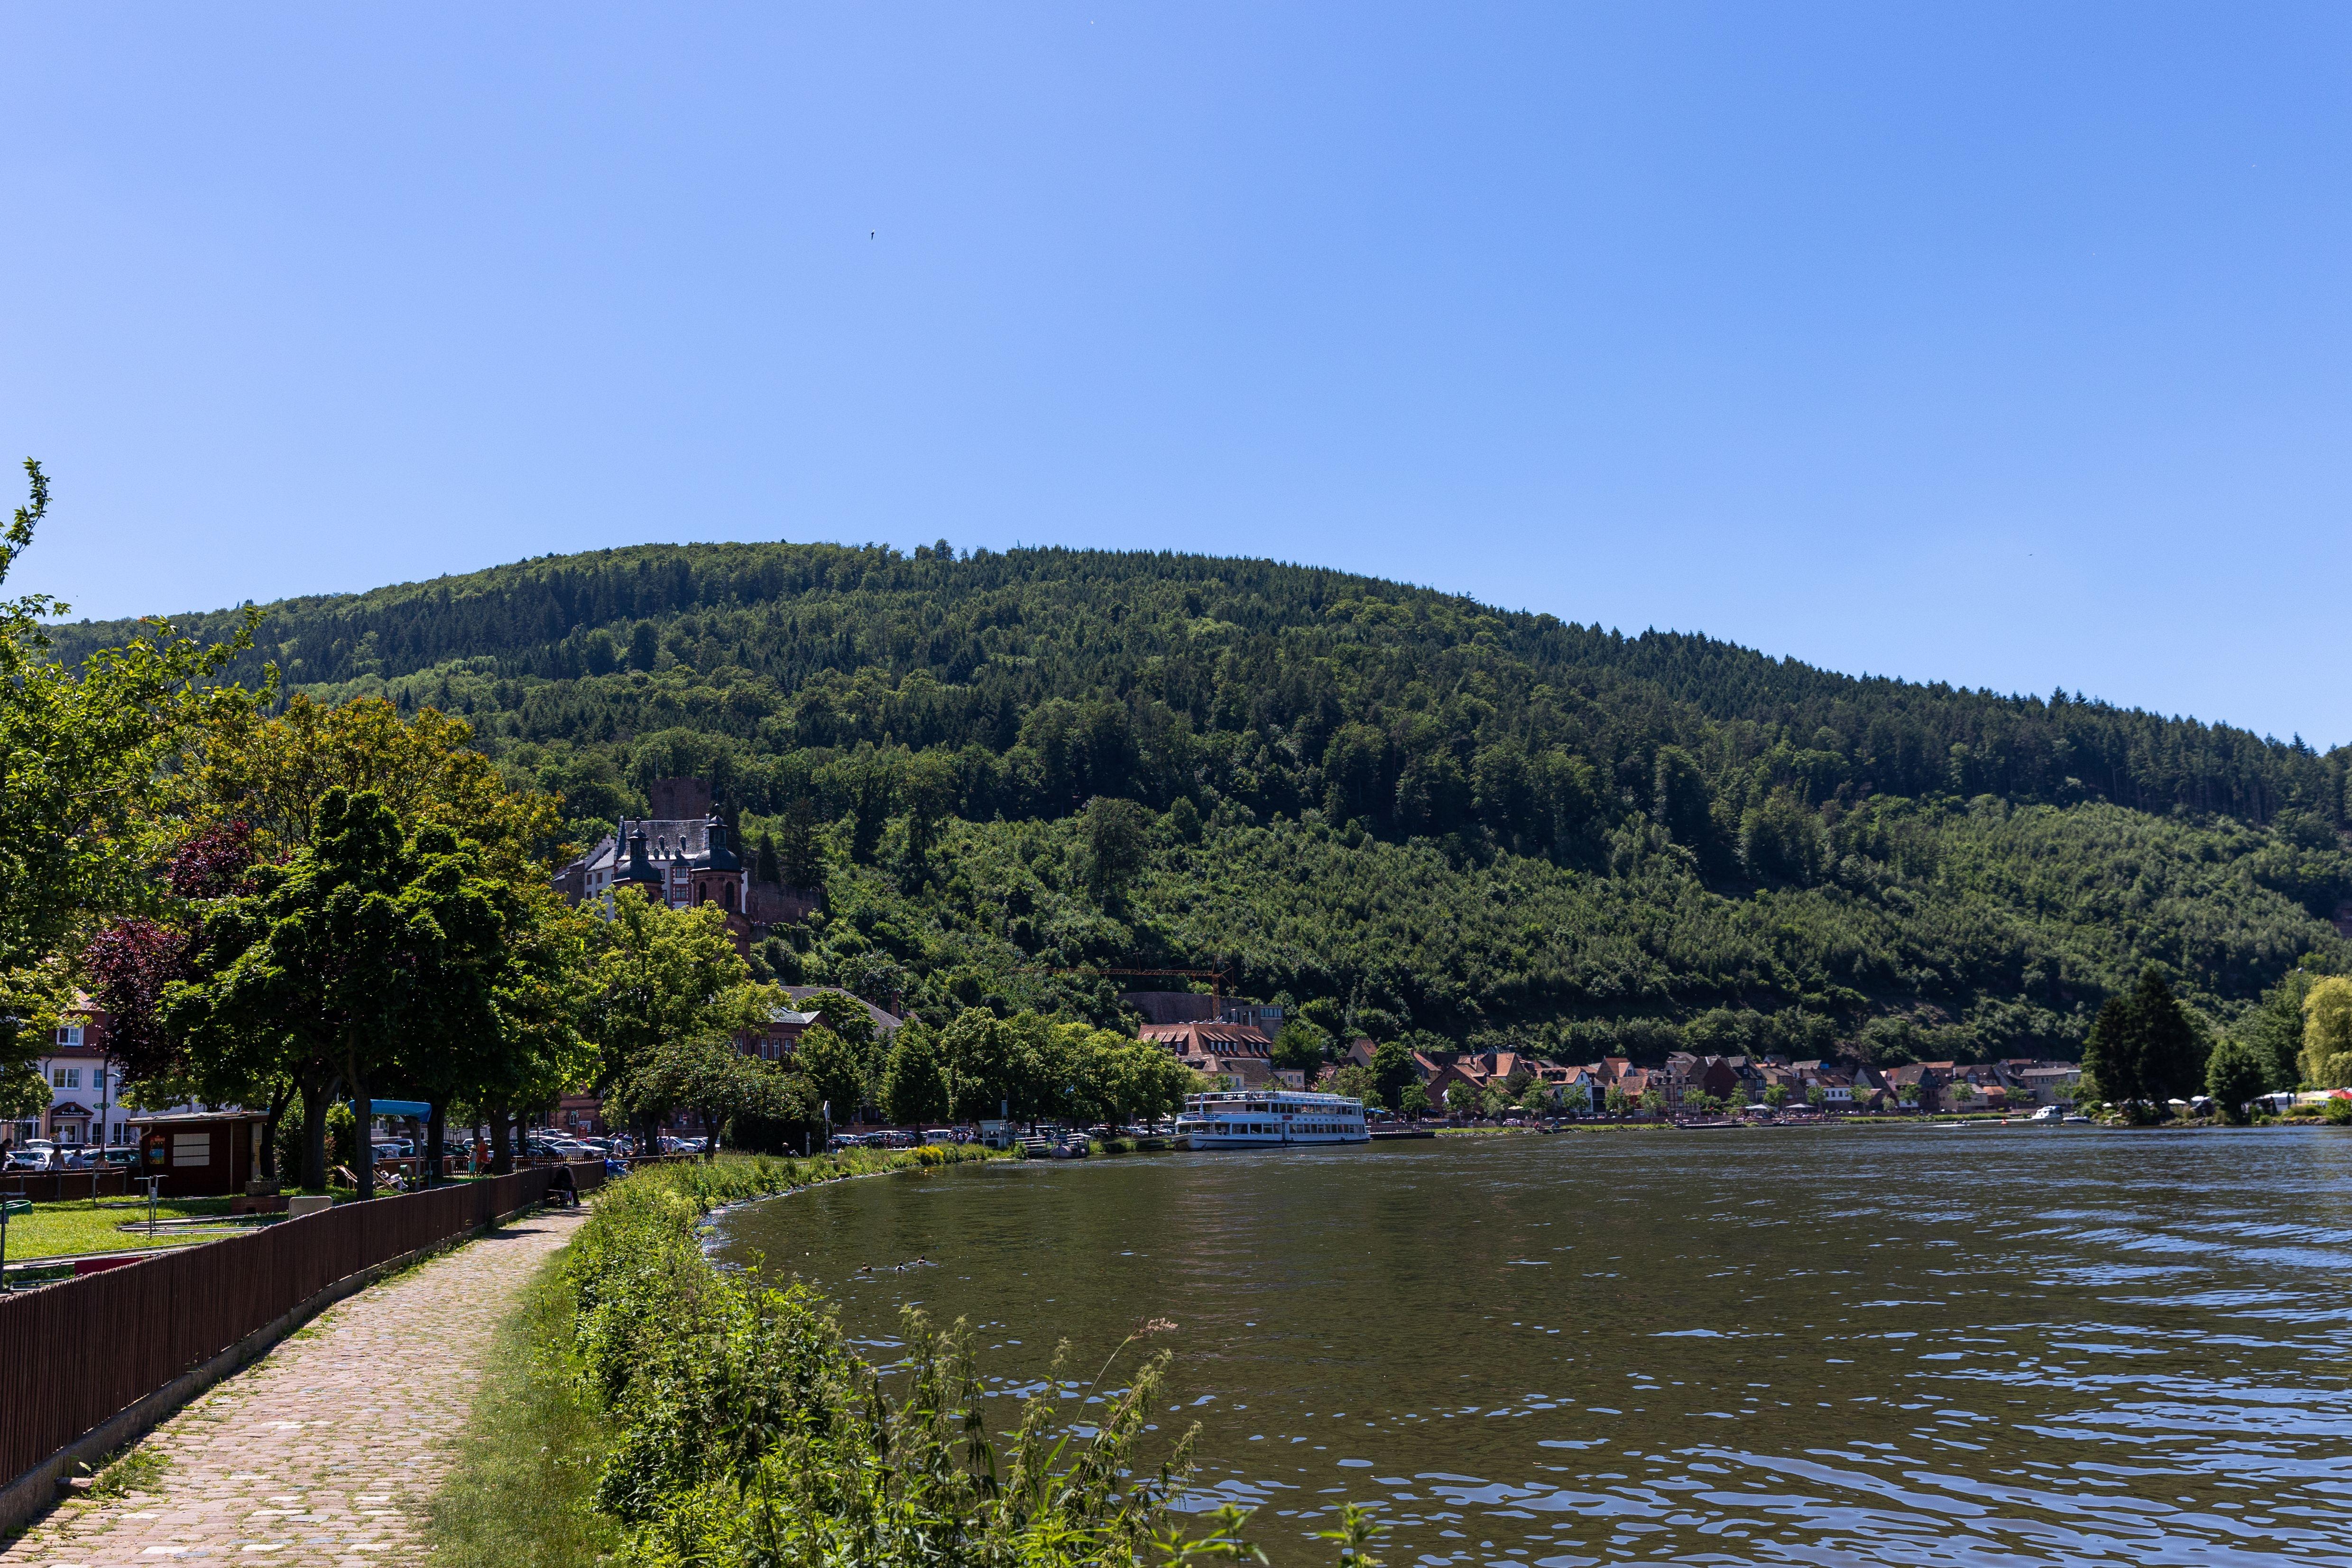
(421, 1109)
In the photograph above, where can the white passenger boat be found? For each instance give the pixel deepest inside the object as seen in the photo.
(1244, 1119)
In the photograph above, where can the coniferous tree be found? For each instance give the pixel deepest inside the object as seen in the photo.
(2143, 1050)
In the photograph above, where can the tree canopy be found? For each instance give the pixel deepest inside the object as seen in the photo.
(2144, 1050)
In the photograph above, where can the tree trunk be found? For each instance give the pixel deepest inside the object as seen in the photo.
(501, 1150)
(435, 1141)
(277, 1103)
(314, 1131)
(363, 1113)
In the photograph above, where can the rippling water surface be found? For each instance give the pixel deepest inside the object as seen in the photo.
(1838, 1346)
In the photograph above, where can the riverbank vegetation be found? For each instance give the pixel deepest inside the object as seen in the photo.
(668, 1412)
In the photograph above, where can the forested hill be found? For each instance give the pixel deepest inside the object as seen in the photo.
(1458, 751)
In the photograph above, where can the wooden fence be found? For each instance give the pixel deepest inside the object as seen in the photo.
(74, 1353)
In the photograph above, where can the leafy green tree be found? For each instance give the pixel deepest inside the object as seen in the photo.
(273, 773)
(2143, 1049)
(661, 974)
(844, 1014)
(1654, 1100)
(1781, 839)
(1816, 1095)
(994, 1069)
(543, 1001)
(1109, 1077)
(85, 760)
(915, 1078)
(707, 1075)
(1459, 1100)
(1682, 803)
(1356, 1083)
(840, 1071)
(2235, 1074)
(363, 945)
(2327, 1034)
(1393, 1069)
(2272, 1027)
(1300, 1046)
(1617, 1103)
(24, 1094)
(1116, 837)
(1415, 1102)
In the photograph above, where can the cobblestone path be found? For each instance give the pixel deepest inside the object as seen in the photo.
(327, 1450)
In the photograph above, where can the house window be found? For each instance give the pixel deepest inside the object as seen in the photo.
(65, 1077)
(69, 1037)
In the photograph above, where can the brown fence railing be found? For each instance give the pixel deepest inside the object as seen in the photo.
(73, 1354)
(58, 1187)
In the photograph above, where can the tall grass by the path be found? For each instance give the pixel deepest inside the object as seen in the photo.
(651, 1411)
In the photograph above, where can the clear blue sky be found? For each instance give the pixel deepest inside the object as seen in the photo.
(2006, 345)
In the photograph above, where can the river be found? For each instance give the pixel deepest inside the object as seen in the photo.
(1989, 1346)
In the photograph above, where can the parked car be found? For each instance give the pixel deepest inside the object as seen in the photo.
(28, 1157)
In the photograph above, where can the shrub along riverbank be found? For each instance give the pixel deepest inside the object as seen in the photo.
(648, 1405)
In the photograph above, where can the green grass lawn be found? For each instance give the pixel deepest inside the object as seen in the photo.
(77, 1226)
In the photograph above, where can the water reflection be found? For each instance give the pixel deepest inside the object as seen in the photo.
(2027, 1346)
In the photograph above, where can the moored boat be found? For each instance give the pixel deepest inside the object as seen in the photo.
(1266, 1119)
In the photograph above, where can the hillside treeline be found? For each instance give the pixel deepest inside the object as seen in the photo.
(1404, 808)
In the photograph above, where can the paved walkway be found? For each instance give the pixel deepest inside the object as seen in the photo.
(327, 1450)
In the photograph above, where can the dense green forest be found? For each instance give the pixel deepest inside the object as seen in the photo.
(1398, 809)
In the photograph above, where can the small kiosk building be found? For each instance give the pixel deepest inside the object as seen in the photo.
(200, 1154)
